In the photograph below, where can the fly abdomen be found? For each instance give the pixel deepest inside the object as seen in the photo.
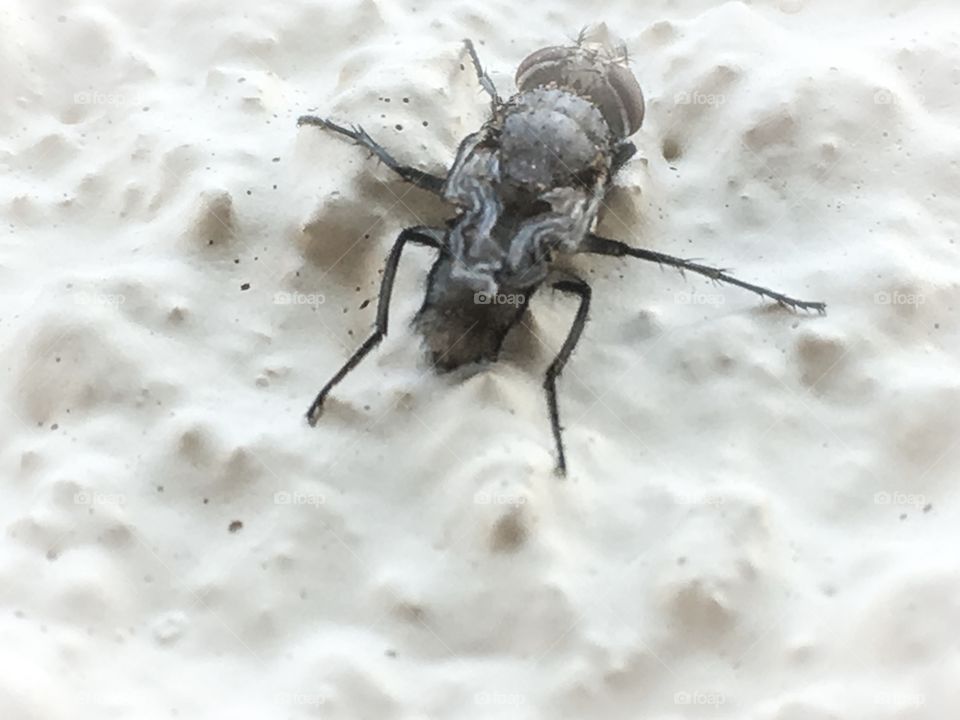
(461, 325)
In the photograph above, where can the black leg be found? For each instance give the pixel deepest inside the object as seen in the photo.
(421, 179)
(420, 235)
(603, 246)
(580, 288)
(485, 82)
(621, 155)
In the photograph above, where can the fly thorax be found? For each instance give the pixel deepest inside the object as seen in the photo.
(551, 137)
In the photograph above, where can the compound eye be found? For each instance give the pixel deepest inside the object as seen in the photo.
(543, 67)
(595, 75)
(629, 97)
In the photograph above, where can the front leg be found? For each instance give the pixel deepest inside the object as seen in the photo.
(419, 178)
(621, 155)
(485, 82)
(603, 246)
(421, 235)
(582, 290)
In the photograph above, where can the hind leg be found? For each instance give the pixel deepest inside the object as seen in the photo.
(420, 235)
(604, 246)
(582, 290)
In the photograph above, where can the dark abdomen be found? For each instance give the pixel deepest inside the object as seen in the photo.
(461, 325)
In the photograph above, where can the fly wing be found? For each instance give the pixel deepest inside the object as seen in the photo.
(472, 186)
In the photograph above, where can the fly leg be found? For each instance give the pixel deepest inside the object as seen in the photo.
(420, 235)
(582, 290)
(602, 246)
(421, 179)
(621, 154)
(485, 82)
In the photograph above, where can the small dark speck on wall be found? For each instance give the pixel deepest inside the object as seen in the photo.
(235, 526)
